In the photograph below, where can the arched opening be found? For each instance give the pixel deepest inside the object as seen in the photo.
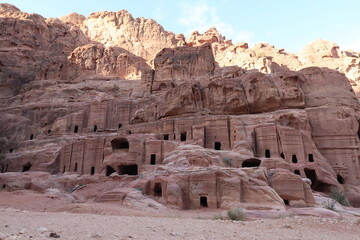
(31, 136)
(120, 125)
(76, 129)
(286, 202)
(166, 136)
(128, 169)
(282, 155)
(340, 179)
(92, 171)
(253, 162)
(152, 159)
(109, 170)
(203, 201)
(311, 157)
(217, 145)
(294, 159)
(26, 167)
(95, 128)
(75, 167)
(157, 190)
(297, 172)
(162, 86)
(183, 136)
(120, 143)
(267, 153)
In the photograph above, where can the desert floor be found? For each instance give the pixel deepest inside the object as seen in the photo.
(28, 215)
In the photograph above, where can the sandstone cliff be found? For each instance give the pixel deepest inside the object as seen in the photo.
(191, 123)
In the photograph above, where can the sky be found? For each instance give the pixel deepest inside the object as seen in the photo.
(288, 24)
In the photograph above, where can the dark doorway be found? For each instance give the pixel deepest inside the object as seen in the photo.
(128, 169)
(311, 174)
(120, 143)
(282, 155)
(311, 158)
(26, 167)
(152, 159)
(11, 150)
(217, 145)
(203, 201)
(31, 136)
(294, 158)
(297, 172)
(120, 125)
(76, 129)
(267, 153)
(253, 162)
(286, 202)
(75, 167)
(183, 136)
(157, 190)
(95, 128)
(166, 136)
(49, 131)
(64, 168)
(340, 179)
(109, 170)
(92, 171)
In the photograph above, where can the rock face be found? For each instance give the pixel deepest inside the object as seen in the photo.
(209, 124)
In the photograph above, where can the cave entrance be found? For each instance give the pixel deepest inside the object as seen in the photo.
(95, 128)
(311, 157)
(75, 167)
(166, 136)
(217, 145)
(157, 190)
(152, 159)
(120, 144)
(203, 201)
(92, 171)
(31, 136)
(183, 136)
(26, 167)
(311, 174)
(76, 129)
(340, 179)
(253, 162)
(297, 172)
(128, 169)
(267, 153)
(282, 155)
(294, 158)
(109, 170)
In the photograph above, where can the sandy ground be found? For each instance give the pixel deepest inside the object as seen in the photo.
(27, 214)
(21, 224)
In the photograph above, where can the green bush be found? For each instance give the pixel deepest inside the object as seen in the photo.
(236, 214)
(228, 162)
(339, 196)
(329, 204)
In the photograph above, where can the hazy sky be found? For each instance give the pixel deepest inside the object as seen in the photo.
(289, 24)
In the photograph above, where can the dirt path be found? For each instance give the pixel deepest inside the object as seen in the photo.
(20, 224)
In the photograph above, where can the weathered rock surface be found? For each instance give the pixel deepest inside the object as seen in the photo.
(209, 124)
